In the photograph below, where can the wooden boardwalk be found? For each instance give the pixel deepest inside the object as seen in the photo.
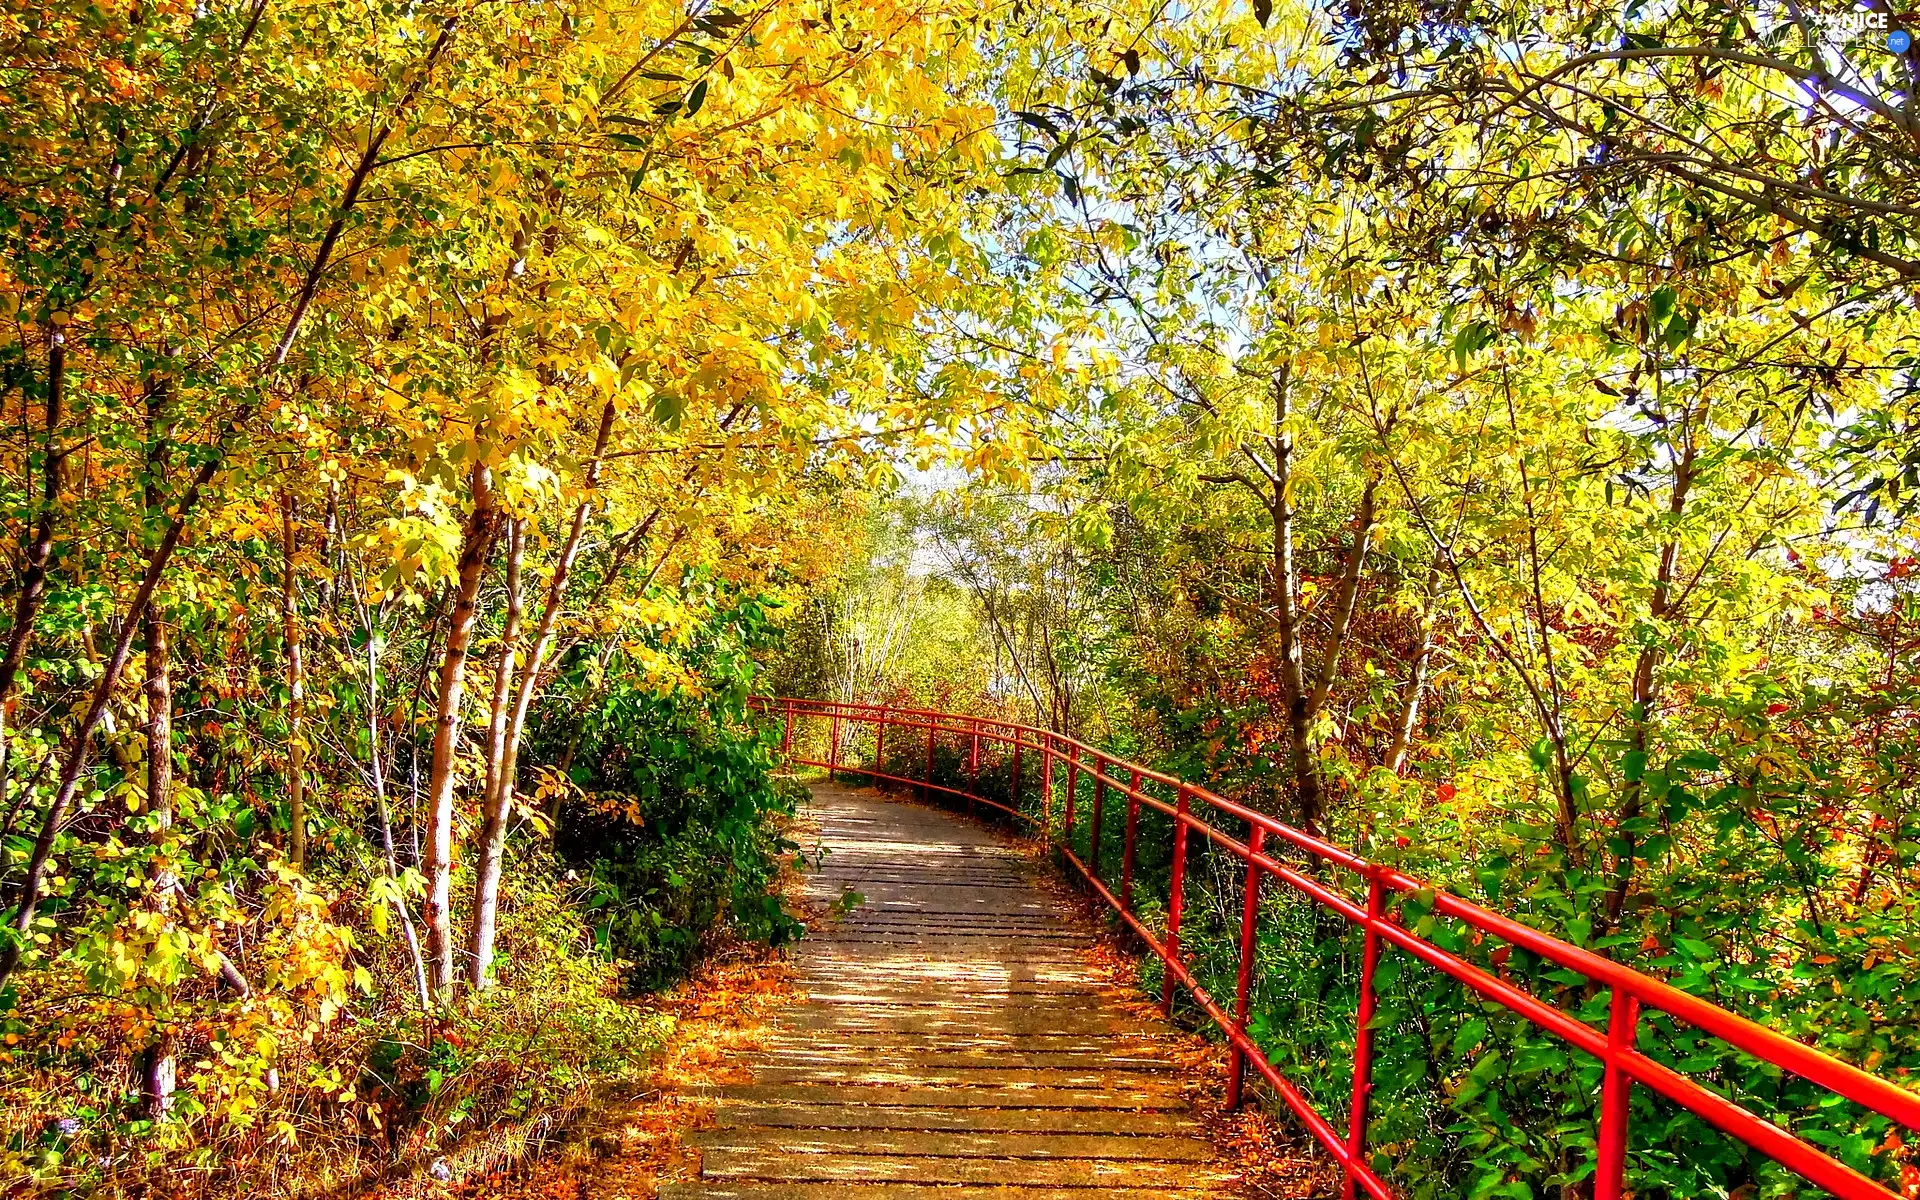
(953, 1044)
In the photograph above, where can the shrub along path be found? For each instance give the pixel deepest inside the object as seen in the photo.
(955, 1042)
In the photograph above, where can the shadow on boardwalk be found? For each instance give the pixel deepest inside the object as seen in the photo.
(955, 1042)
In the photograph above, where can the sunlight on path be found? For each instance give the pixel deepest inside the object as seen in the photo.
(955, 1042)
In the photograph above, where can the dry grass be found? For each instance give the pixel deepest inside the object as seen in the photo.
(629, 1143)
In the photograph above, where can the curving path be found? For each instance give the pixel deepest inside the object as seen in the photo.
(953, 1044)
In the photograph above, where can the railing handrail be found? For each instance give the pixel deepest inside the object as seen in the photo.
(1615, 1047)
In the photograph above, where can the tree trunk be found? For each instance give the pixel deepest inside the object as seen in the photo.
(377, 766)
(1646, 690)
(159, 1070)
(476, 542)
(486, 888)
(1300, 758)
(497, 791)
(1403, 727)
(33, 577)
(296, 691)
(503, 667)
(1344, 600)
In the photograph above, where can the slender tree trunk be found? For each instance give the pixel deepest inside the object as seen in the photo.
(414, 695)
(1409, 718)
(486, 888)
(75, 753)
(503, 667)
(296, 689)
(33, 578)
(496, 793)
(377, 765)
(1646, 692)
(476, 542)
(329, 546)
(1301, 760)
(159, 1070)
(1344, 600)
(1873, 849)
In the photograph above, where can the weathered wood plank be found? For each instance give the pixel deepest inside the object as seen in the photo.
(902, 1054)
(1008, 1025)
(894, 1046)
(1106, 1122)
(781, 1165)
(1167, 1099)
(914, 1191)
(1000, 1077)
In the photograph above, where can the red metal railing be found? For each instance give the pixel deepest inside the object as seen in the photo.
(1615, 1047)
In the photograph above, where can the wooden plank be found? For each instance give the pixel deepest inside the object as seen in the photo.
(1062, 1052)
(1108, 1122)
(906, 1055)
(1033, 909)
(912, 1074)
(782, 1165)
(715, 1190)
(950, 1097)
(884, 988)
(920, 998)
(827, 968)
(892, 1043)
(1012, 1023)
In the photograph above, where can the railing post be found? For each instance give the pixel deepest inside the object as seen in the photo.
(786, 735)
(879, 749)
(1073, 777)
(833, 746)
(1047, 782)
(1099, 801)
(1362, 1034)
(926, 790)
(1616, 1093)
(973, 765)
(1176, 896)
(1013, 797)
(1243, 985)
(1133, 828)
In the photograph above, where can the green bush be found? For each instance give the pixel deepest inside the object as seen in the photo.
(674, 825)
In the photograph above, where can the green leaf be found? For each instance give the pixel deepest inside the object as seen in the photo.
(1697, 949)
(1471, 1034)
(1472, 338)
(1660, 305)
(668, 407)
(1541, 752)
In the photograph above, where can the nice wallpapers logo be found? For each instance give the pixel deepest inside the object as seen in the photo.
(1840, 28)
